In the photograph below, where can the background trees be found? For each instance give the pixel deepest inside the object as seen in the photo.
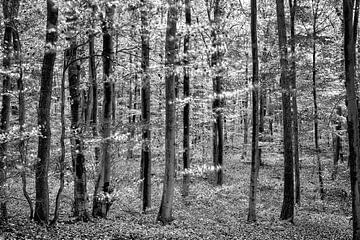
(135, 49)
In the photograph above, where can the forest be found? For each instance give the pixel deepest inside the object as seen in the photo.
(179, 119)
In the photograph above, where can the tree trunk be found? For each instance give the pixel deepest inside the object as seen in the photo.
(293, 6)
(216, 62)
(102, 195)
(316, 121)
(62, 145)
(42, 166)
(287, 211)
(186, 117)
(10, 11)
(255, 163)
(145, 109)
(165, 212)
(246, 106)
(353, 113)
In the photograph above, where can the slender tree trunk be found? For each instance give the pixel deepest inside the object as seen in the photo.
(42, 166)
(102, 195)
(255, 163)
(246, 106)
(293, 6)
(316, 121)
(62, 145)
(216, 61)
(287, 211)
(186, 117)
(353, 113)
(145, 109)
(165, 212)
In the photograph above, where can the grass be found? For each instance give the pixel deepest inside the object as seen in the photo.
(210, 212)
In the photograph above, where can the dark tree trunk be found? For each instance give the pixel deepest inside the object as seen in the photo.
(62, 145)
(216, 61)
(10, 11)
(145, 109)
(103, 191)
(165, 211)
(42, 166)
(293, 6)
(287, 211)
(78, 158)
(353, 113)
(186, 117)
(255, 163)
(316, 121)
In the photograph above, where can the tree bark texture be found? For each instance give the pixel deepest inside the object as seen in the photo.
(186, 110)
(353, 113)
(10, 11)
(216, 62)
(145, 109)
(165, 212)
(287, 211)
(255, 163)
(41, 214)
(102, 195)
(293, 6)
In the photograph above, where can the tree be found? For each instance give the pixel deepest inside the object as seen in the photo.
(216, 65)
(293, 6)
(255, 161)
(41, 214)
(103, 191)
(350, 26)
(316, 121)
(287, 211)
(186, 117)
(10, 11)
(165, 211)
(145, 109)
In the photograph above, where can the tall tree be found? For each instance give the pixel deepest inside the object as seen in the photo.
(287, 211)
(293, 6)
(165, 211)
(78, 158)
(10, 11)
(186, 117)
(41, 214)
(216, 64)
(255, 161)
(316, 120)
(145, 108)
(350, 32)
(102, 195)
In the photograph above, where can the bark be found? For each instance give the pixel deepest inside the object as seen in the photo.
(293, 6)
(287, 211)
(145, 109)
(255, 161)
(353, 113)
(10, 11)
(246, 106)
(42, 166)
(316, 121)
(186, 110)
(102, 196)
(165, 211)
(62, 146)
(78, 158)
(216, 62)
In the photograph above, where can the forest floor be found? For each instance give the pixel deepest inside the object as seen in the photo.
(210, 212)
